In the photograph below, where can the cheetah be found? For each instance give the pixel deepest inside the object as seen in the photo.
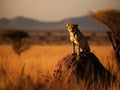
(77, 39)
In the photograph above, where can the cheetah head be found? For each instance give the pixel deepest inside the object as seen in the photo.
(72, 27)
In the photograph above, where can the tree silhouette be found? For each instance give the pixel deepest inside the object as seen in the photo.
(16, 37)
(111, 18)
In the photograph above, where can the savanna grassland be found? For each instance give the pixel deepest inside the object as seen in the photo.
(33, 69)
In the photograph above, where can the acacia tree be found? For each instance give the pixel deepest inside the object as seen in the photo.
(16, 37)
(111, 18)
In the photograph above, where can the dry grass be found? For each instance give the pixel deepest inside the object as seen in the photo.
(38, 62)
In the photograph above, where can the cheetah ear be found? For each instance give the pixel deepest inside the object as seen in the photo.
(76, 25)
(67, 25)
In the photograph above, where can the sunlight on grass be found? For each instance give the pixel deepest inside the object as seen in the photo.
(39, 61)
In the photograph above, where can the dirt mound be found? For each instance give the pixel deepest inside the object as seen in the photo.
(75, 71)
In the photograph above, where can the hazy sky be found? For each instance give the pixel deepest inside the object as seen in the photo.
(53, 10)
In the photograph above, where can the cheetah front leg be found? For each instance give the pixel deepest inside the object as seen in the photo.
(73, 48)
(78, 49)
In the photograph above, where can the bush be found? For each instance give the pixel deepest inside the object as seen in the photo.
(16, 37)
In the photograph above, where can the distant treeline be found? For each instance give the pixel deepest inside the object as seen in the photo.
(59, 37)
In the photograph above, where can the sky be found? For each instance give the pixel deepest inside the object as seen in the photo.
(53, 10)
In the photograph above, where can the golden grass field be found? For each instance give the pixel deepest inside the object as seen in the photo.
(40, 60)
